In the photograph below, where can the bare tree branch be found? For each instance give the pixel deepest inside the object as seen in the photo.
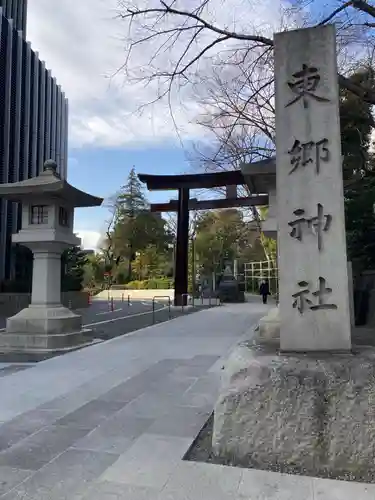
(363, 7)
(335, 12)
(166, 9)
(153, 23)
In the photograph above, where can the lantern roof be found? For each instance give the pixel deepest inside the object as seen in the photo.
(50, 185)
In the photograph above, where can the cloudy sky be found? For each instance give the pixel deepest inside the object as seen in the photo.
(82, 42)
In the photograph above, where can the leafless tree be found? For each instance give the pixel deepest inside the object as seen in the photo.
(108, 244)
(237, 102)
(230, 68)
(185, 32)
(229, 72)
(171, 221)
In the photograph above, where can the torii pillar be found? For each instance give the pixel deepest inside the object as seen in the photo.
(182, 249)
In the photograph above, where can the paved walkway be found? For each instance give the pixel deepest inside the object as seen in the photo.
(113, 421)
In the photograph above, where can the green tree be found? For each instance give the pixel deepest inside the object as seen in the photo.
(138, 233)
(73, 261)
(94, 270)
(357, 123)
(135, 229)
(131, 200)
(150, 263)
(224, 234)
(360, 223)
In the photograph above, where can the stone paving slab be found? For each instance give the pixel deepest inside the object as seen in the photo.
(171, 385)
(181, 421)
(70, 474)
(25, 425)
(105, 490)
(91, 414)
(40, 448)
(257, 483)
(327, 489)
(9, 478)
(115, 435)
(149, 462)
(193, 481)
(114, 421)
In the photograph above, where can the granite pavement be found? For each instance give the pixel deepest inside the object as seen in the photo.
(114, 420)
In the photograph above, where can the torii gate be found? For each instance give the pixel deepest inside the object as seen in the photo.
(260, 177)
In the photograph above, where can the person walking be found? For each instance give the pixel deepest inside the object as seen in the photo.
(264, 290)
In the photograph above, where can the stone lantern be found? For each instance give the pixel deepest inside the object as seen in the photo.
(47, 230)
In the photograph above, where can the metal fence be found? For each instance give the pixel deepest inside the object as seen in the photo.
(255, 272)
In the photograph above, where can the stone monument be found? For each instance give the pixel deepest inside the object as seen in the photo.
(313, 279)
(304, 402)
(47, 230)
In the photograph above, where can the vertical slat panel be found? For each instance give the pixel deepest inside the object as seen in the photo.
(41, 115)
(47, 129)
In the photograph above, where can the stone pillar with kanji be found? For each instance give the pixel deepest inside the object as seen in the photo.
(314, 299)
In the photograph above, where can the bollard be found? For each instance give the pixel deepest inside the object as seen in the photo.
(153, 306)
(182, 301)
(122, 298)
(128, 300)
(70, 304)
(209, 301)
(112, 307)
(89, 299)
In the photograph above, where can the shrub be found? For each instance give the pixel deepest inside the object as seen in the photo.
(160, 283)
(136, 285)
(151, 284)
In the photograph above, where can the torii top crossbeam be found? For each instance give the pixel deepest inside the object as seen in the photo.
(257, 171)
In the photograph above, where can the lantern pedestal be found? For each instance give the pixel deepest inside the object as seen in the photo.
(43, 329)
(46, 325)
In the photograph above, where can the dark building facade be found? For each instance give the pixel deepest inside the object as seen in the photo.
(33, 121)
(17, 11)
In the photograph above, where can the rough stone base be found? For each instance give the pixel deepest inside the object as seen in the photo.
(42, 329)
(295, 413)
(268, 329)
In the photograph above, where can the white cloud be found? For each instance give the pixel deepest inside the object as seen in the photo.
(81, 43)
(90, 239)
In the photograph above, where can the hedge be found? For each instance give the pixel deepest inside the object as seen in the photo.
(151, 284)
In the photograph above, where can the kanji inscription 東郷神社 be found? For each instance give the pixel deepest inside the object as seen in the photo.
(316, 224)
(304, 85)
(314, 293)
(308, 152)
(303, 302)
